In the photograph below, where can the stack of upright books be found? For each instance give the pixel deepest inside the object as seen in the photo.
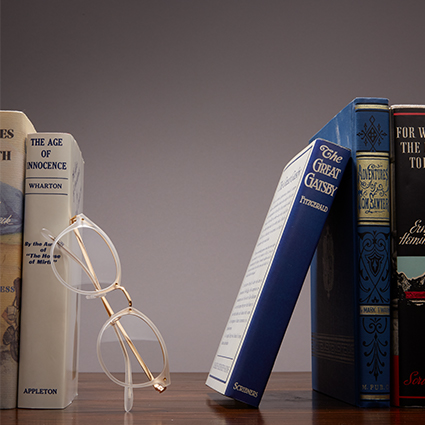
(348, 205)
(367, 273)
(39, 317)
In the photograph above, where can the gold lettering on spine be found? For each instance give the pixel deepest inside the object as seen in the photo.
(373, 185)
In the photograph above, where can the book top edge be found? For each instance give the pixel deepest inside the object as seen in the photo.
(378, 100)
(407, 106)
(12, 111)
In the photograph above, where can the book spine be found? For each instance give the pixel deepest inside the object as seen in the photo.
(351, 269)
(261, 315)
(49, 327)
(14, 127)
(373, 230)
(408, 284)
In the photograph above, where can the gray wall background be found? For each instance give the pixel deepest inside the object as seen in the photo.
(186, 112)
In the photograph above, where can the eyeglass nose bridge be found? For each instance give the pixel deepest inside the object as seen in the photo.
(125, 292)
(116, 285)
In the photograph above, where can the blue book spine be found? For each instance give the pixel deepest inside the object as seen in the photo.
(276, 272)
(351, 269)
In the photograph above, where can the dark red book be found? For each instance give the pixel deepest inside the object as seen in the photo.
(408, 229)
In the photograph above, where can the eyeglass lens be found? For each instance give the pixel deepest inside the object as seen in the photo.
(93, 252)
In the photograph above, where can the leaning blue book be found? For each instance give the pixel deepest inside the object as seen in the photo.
(350, 273)
(276, 272)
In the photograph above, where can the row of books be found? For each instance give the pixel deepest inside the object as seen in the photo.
(41, 178)
(358, 219)
(348, 205)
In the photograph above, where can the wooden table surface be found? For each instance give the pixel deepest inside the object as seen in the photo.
(288, 400)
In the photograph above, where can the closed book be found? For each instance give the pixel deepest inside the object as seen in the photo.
(14, 127)
(48, 369)
(276, 272)
(408, 229)
(350, 272)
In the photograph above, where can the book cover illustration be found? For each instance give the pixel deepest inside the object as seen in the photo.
(276, 272)
(408, 286)
(14, 127)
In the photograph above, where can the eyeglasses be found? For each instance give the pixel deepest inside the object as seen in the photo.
(129, 331)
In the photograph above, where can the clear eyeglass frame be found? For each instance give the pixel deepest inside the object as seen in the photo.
(159, 382)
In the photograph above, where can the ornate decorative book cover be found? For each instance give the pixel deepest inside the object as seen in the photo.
(351, 269)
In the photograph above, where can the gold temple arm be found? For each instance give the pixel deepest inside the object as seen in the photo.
(111, 312)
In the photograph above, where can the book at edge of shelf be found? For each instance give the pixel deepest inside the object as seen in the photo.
(350, 272)
(14, 127)
(276, 272)
(48, 368)
(408, 277)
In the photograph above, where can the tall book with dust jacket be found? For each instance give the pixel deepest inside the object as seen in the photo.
(408, 285)
(48, 369)
(276, 272)
(350, 273)
(14, 127)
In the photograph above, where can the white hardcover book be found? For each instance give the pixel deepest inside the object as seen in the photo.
(14, 127)
(48, 369)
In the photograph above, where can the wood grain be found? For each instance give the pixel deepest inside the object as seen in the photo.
(288, 400)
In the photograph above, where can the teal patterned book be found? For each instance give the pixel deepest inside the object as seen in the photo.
(350, 274)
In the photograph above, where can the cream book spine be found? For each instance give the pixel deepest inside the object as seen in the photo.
(14, 127)
(48, 370)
